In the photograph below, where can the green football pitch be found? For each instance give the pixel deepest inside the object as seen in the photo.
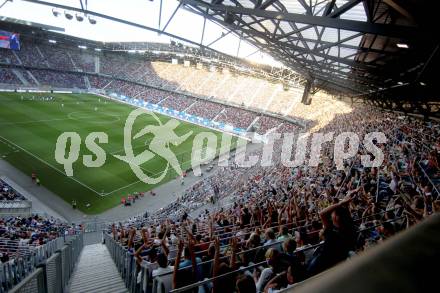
(30, 126)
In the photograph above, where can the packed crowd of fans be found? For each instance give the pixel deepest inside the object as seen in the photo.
(283, 225)
(206, 109)
(31, 55)
(58, 79)
(238, 117)
(82, 62)
(265, 123)
(179, 103)
(242, 90)
(7, 57)
(9, 193)
(267, 228)
(222, 113)
(20, 235)
(287, 128)
(228, 87)
(6, 76)
(99, 82)
(154, 96)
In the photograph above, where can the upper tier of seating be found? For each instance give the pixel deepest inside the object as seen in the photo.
(243, 91)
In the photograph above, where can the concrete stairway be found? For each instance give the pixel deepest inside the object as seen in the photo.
(20, 77)
(33, 78)
(96, 272)
(87, 82)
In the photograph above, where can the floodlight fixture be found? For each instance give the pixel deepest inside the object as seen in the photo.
(92, 20)
(79, 17)
(68, 15)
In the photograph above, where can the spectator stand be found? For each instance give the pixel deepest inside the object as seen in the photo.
(49, 270)
(35, 245)
(179, 115)
(12, 202)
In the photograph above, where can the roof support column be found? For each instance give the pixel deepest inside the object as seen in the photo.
(306, 98)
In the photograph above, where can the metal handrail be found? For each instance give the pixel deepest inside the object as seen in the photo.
(278, 242)
(345, 179)
(31, 268)
(429, 179)
(418, 163)
(126, 264)
(197, 284)
(281, 225)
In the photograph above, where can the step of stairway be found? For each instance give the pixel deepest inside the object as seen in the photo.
(96, 272)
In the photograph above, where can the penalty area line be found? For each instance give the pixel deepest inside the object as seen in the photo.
(34, 121)
(133, 183)
(50, 165)
(130, 184)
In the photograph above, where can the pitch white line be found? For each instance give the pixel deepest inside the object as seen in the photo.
(34, 121)
(71, 116)
(154, 175)
(123, 187)
(73, 178)
(50, 165)
(120, 188)
(174, 117)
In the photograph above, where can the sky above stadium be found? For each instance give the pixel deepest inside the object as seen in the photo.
(184, 24)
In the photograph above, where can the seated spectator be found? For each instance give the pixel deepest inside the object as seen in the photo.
(162, 261)
(187, 271)
(289, 256)
(245, 284)
(284, 235)
(284, 280)
(8, 193)
(339, 237)
(224, 284)
(273, 260)
(270, 237)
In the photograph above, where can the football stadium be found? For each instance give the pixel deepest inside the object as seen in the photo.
(94, 190)
(262, 146)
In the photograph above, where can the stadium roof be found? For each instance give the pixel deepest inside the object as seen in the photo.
(134, 21)
(355, 46)
(30, 23)
(379, 50)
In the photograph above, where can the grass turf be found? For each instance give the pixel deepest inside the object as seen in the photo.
(30, 126)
